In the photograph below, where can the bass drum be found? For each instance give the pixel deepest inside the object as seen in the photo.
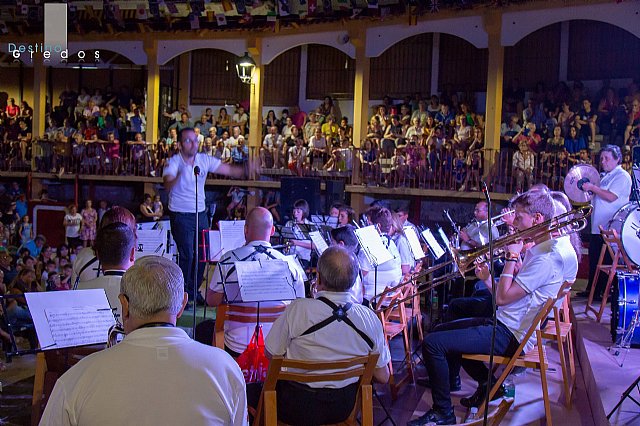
(626, 222)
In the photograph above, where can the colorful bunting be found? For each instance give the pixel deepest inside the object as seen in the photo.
(221, 19)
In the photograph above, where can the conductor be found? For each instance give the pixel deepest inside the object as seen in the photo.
(179, 178)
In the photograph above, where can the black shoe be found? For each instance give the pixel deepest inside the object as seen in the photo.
(454, 386)
(434, 417)
(477, 399)
(200, 300)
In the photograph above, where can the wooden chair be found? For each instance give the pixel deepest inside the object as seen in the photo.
(50, 365)
(559, 330)
(495, 416)
(394, 322)
(411, 312)
(360, 367)
(536, 358)
(232, 313)
(620, 263)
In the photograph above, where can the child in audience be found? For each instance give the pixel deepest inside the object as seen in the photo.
(25, 230)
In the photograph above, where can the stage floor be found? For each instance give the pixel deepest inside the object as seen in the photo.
(599, 385)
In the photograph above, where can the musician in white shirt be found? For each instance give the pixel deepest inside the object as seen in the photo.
(608, 197)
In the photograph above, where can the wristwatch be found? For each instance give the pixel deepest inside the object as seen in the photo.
(512, 256)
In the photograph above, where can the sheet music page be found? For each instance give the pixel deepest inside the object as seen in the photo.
(433, 244)
(40, 302)
(151, 242)
(79, 325)
(319, 243)
(231, 234)
(215, 246)
(318, 219)
(414, 243)
(292, 260)
(332, 222)
(261, 281)
(373, 246)
(445, 240)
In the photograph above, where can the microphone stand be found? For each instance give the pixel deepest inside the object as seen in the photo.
(485, 191)
(196, 172)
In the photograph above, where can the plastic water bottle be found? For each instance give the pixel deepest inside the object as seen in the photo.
(473, 414)
(509, 388)
(434, 302)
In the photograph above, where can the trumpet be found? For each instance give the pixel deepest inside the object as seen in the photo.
(495, 220)
(465, 260)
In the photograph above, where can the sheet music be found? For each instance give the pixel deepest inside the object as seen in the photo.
(433, 244)
(215, 246)
(261, 281)
(292, 260)
(41, 302)
(80, 325)
(373, 246)
(151, 242)
(319, 243)
(231, 234)
(320, 220)
(414, 243)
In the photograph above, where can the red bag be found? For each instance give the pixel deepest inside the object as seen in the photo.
(253, 362)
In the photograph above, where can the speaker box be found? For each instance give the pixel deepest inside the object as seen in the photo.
(296, 188)
(334, 193)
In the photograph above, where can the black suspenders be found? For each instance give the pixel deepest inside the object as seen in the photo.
(339, 314)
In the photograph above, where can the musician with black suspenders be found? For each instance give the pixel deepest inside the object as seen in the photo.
(329, 328)
(608, 197)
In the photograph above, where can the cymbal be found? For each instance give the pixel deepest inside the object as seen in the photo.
(576, 177)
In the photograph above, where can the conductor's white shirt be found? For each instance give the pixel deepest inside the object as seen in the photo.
(182, 197)
(137, 380)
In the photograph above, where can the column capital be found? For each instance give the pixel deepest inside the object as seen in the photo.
(254, 48)
(493, 22)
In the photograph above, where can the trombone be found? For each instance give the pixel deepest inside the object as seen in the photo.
(561, 225)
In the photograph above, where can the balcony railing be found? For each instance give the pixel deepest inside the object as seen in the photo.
(411, 167)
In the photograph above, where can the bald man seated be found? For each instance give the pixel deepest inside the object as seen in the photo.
(223, 287)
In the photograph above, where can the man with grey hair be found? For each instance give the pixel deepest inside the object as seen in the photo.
(327, 328)
(134, 379)
(608, 197)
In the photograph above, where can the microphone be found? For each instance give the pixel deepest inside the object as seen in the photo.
(196, 170)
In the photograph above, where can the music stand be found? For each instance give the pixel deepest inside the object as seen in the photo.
(434, 247)
(64, 319)
(251, 284)
(322, 220)
(374, 250)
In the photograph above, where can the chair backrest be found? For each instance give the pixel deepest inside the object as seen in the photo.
(495, 416)
(542, 313)
(616, 249)
(358, 367)
(388, 306)
(235, 313)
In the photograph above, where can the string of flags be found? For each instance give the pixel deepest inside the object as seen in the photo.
(243, 12)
